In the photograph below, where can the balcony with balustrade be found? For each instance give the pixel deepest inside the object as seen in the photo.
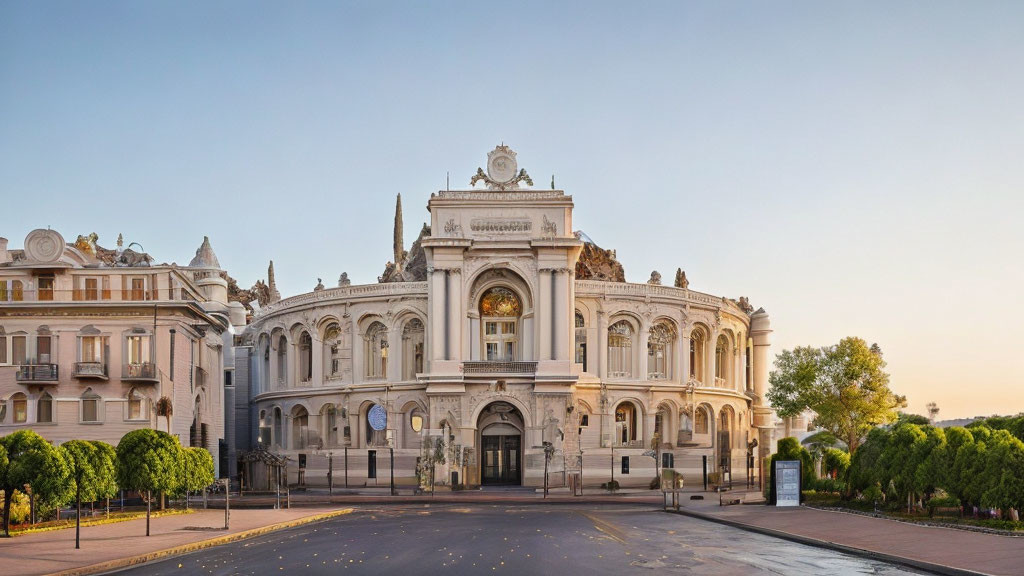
(142, 372)
(499, 368)
(37, 373)
(89, 370)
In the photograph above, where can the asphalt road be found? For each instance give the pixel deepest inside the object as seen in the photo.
(491, 539)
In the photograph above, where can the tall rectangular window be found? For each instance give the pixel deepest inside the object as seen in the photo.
(45, 288)
(20, 409)
(3, 349)
(90, 410)
(45, 409)
(92, 289)
(43, 349)
(138, 291)
(92, 349)
(18, 349)
(138, 349)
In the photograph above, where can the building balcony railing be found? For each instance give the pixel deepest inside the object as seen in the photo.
(90, 370)
(12, 296)
(37, 373)
(499, 367)
(139, 372)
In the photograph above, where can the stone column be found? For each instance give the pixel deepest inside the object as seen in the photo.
(709, 359)
(544, 315)
(318, 361)
(642, 339)
(436, 318)
(455, 315)
(395, 349)
(760, 332)
(600, 352)
(563, 315)
(270, 379)
(681, 356)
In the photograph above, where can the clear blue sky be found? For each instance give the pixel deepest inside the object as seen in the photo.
(855, 168)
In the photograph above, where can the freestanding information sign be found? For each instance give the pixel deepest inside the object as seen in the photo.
(787, 482)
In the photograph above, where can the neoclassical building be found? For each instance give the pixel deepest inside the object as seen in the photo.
(97, 342)
(501, 331)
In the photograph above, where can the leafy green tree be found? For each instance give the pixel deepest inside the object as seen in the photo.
(198, 470)
(903, 417)
(901, 457)
(865, 466)
(1003, 484)
(106, 465)
(845, 385)
(88, 476)
(31, 460)
(952, 477)
(932, 460)
(149, 461)
(837, 462)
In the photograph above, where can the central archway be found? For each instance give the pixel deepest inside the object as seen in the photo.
(500, 437)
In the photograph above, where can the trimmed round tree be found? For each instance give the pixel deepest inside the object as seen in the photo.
(31, 459)
(198, 470)
(82, 458)
(149, 461)
(106, 461)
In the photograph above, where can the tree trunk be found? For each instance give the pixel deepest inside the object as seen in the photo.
(108, 508)
(78, 517)
(149, 502)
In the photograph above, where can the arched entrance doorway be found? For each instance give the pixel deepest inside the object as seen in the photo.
(501, 444)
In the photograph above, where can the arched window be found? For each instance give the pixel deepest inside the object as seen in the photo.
(660, 344)
(376, 356)
(276, 437)
(700, 425)
(627, 419)
(90, 406)
(749, 356)
(620, 350)
(300, 428)
(265, 373)
(416, 423)
(305, 357)
(581, 340)
(264, 432)
(44, 409)
(721, 361)
(412, 349)
(332, 351)
(19, 405)
(136, 405)
(329, 418)
(697, 340)
(500, 310)
(282, 361)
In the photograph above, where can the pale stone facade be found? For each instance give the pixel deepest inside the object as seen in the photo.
(482, 334)
(91, 339)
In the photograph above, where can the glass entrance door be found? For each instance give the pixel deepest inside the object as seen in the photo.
(501, 460)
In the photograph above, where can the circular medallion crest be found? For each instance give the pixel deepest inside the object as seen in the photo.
(501, 164)
(378, 417)
(44, 245)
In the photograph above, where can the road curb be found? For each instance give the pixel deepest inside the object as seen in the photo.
(862, 552)
(121, 563)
